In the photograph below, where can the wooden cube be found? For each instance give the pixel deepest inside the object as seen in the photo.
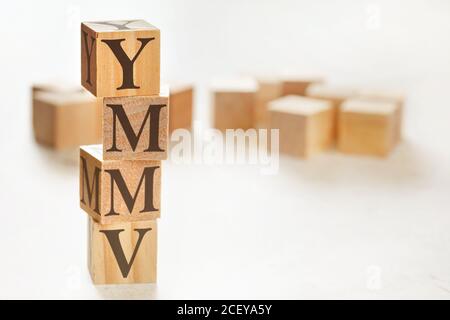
(389, 96)
(298, 85)
(55, 87)
(305, 124)
(118, 190)
(64, 120)
(120, 58)
(122, 253)
(268, 89)
(368, 127)
(181, 106)
(136, 128)
(334, 94)
(234, 103)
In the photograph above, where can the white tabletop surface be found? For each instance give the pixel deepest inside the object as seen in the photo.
(334, 226)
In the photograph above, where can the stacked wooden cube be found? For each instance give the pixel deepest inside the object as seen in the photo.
(120, 180)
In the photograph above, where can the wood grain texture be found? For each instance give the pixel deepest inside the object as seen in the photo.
(368, 127)
(114, 191)
(64, 120)
(181, 107)
(101, 71)
(306, 125)
(123, 252)
(141, 133)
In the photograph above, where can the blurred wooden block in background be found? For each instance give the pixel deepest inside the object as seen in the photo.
(66, 119)
(381, 95)
(234, 103)
(268, 89)
(271, 88)
(123, 252)
(118, 190)
(55, 87)
(181, 106)
(305, 124)
(388, 96)
(335, 94)
(298, 85)
(368, 127)
(120, 58)
(136, 128)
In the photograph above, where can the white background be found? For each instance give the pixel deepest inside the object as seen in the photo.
(332, 227)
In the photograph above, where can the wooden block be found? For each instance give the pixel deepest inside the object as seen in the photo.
(118, 190)
(124, 252)
(181, 106)
(389, 96)
(367, 127)
(305, 124)
(136, 128)
(63, 120)
(234, 103)
(336, 95)
(381, 95)
(120, 58)
(268, 89)
(298, 85)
